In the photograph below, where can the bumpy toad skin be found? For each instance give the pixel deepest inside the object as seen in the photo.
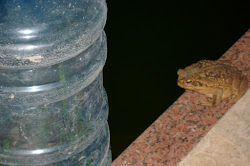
(217, 80)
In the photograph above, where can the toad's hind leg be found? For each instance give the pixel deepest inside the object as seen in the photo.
(239, 88)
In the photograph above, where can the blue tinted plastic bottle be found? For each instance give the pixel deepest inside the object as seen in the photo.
(53, 107)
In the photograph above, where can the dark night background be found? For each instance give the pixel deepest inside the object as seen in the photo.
(148, 41)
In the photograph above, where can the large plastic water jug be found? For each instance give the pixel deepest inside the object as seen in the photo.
(53, 107)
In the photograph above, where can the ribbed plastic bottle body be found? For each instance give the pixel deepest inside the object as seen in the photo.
(53, 107)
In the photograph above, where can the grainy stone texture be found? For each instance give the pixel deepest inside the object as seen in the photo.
(183, 124)
(228, 142)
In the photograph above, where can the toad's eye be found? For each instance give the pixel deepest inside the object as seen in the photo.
(189, 81)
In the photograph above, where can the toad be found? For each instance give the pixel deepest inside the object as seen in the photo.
(217, 80)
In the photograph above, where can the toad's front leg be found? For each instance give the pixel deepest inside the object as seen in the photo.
(214, 97)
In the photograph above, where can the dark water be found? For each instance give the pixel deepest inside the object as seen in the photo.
(148, 41)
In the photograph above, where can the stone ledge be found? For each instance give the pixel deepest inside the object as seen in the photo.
(228, 142)
(174, 134)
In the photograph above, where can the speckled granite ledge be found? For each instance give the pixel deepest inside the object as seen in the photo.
(228, 142)
(183, 124)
